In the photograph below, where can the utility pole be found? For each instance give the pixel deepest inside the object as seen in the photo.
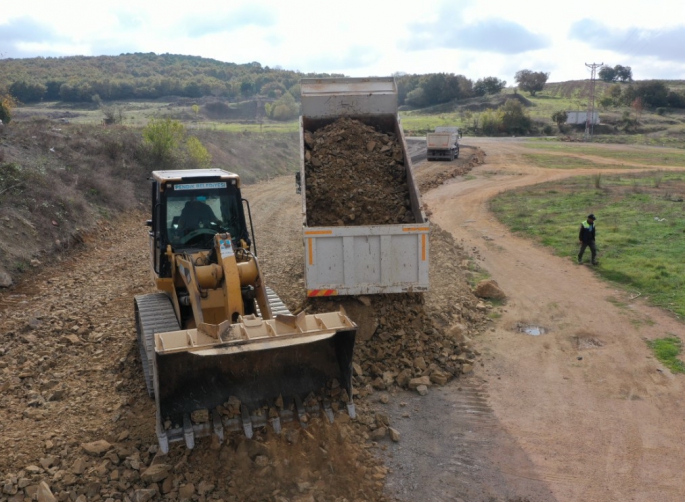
(589, 120)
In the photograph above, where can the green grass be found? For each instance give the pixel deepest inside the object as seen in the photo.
(666, 351)
(562, 162)
(418, 124)
(138, 113)
(635, 249)
(665, 140)
(279, 127)
(635, 155)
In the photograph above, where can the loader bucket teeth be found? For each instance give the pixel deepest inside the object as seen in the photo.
(276, 424)
(247, 423)
(292, 373)
(218, 426)
(351, 411)
(188, 433)
(301, 413)
(328, 410)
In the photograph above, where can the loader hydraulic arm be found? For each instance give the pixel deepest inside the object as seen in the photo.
(215, 290)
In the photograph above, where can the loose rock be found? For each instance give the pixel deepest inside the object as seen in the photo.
(96, 448)
(489, 288)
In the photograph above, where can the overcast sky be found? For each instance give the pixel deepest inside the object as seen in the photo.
(364, 37)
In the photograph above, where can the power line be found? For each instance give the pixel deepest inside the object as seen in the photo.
(590, 118)
(645, 42)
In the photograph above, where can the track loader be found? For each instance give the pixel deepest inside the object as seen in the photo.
(220, 351)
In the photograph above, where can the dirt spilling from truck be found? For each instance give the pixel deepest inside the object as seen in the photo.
(355, 175)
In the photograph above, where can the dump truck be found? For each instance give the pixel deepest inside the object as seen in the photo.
(443, 144)
(219, 349)
(360, 259)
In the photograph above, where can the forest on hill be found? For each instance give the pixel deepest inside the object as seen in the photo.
(148, 76)
(141, 76)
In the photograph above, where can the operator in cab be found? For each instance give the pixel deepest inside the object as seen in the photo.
(196, 214)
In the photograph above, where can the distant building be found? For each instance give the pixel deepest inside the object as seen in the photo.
(580, 118)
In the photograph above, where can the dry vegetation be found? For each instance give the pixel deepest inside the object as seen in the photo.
(57, 180)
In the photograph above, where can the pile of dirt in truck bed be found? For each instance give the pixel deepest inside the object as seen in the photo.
(355, 175)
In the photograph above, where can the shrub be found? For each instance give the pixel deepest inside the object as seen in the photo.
(560, 117)
(163, 137)
(491, 122)
(284, 108)
(200, 158)
(6, 105)
(658, 178)
(515, 120)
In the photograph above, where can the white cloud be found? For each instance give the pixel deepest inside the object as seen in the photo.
(360, 37)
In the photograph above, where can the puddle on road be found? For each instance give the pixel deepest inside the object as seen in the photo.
(530, 329)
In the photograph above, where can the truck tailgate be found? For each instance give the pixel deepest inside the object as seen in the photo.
(366, 259)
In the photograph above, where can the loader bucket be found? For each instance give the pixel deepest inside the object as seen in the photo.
(273, 374)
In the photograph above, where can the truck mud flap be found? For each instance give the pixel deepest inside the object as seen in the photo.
(253, 384)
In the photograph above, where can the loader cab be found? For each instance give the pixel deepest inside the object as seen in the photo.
(189, 208)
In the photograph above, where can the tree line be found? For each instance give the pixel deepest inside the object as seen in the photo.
(153, 76)
(141, 76)
(650, 93)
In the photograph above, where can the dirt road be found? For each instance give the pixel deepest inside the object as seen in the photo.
(599, 418)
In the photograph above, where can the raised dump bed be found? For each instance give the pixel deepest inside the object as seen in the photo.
(363, 225)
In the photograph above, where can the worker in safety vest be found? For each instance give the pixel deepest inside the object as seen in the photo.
(586, 236)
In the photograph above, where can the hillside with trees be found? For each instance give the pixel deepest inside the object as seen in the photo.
(141, 76)
(212, 91)
(83, 79)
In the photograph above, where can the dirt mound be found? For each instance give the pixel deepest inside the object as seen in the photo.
(433, 178)
(355, 175)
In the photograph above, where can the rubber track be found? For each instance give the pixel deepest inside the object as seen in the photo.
(154, 314)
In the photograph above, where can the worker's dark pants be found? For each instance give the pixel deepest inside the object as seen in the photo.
(592, 247)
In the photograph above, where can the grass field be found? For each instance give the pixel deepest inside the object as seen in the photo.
(562, 162)
(138, 113)
(667, 351)
(651, 157)
(416, 124)
(640, 227)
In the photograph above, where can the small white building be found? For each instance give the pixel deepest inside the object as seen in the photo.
(580, 118)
